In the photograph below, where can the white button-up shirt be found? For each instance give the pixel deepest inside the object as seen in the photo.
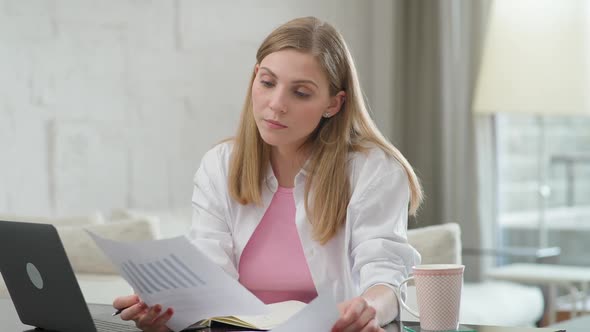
(371, 248)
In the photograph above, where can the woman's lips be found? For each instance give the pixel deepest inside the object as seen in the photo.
(275, 124)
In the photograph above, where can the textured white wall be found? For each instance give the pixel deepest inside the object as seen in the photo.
(107, 104)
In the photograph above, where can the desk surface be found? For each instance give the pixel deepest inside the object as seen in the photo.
(9, 322)
(575, 324)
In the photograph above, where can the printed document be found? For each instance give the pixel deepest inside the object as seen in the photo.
(319, 315)
(174, 273)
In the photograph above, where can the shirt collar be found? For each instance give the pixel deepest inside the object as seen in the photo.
(272, 180)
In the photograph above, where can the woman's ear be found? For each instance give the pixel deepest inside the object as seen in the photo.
(256, 67)
(336, 103)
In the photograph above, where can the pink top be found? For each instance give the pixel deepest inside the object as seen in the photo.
(273, 266)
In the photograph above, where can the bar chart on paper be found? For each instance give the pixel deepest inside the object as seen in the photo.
(164, 274)
(175, 274)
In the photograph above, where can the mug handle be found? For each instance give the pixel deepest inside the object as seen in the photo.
(403, 304)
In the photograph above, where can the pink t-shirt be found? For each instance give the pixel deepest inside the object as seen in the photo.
(273, 266)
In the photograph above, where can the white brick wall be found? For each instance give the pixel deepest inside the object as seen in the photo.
(107, 104)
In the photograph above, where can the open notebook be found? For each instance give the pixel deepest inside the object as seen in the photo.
(279, 313)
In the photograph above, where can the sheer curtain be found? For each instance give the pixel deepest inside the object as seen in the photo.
(434, 126)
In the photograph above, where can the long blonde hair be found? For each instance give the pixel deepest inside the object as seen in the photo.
(350, 130)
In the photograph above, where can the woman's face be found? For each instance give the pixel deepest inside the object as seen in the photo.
(290, 94)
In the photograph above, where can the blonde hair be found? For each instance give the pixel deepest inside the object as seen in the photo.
(350, 130)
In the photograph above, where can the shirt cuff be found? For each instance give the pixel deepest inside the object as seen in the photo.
(397, 295)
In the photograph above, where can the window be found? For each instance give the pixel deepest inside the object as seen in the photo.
(522, 140)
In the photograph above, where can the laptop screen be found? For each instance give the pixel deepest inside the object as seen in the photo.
(40, 279)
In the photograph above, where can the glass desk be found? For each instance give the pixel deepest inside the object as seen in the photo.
(9, 322)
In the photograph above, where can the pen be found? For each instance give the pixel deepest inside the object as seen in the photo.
(121, 310)
(118, 311)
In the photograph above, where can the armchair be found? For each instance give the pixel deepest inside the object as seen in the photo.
(486, 302)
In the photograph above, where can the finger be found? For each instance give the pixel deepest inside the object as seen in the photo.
(342, 323)
(343, 306)
(351, 314)
(133, 311)
(123, 302)
(163, 319)
(364, 318)
(372, 326)
(146, 320)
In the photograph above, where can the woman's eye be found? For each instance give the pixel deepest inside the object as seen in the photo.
(267, 84)
(301, 94)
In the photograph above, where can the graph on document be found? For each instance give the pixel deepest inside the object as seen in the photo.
(165, 274)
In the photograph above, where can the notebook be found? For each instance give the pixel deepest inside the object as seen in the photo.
(42, 284)
(279, 313)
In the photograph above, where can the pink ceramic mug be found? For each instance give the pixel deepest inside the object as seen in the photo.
(438, 291)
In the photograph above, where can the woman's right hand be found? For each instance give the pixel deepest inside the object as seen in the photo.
(145, 318)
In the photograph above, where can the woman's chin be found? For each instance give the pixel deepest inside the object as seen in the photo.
(279, 139)
(272, 140)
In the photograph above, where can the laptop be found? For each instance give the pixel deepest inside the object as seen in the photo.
(42, 284)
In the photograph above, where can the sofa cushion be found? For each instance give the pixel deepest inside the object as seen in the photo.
(172, 223)
(438, 244)
(501, 303)
(86, 257)
(492, 303)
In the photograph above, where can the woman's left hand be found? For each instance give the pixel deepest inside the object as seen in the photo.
(357, 315)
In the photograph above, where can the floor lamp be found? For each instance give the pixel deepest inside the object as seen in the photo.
(536, 60)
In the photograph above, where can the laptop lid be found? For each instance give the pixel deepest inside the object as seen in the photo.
(40, 279)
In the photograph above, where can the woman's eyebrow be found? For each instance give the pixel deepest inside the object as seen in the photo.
(296, 81)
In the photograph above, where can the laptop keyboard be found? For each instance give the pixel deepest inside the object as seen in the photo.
(106, 326)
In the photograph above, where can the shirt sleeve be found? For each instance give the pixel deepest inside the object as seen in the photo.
(210, 231)
(380, 251)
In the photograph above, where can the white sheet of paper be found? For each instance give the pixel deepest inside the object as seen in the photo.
(174, 273)
(319, 315)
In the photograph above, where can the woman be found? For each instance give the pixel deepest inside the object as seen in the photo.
(309, 196)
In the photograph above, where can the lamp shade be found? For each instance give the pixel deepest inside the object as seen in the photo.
(536, 58)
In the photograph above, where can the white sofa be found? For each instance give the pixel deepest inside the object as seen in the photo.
(486, 303)
(491, 303)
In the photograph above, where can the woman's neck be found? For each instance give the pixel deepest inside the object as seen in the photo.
(286, 163)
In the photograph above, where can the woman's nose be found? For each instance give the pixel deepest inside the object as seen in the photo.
(277, 101)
